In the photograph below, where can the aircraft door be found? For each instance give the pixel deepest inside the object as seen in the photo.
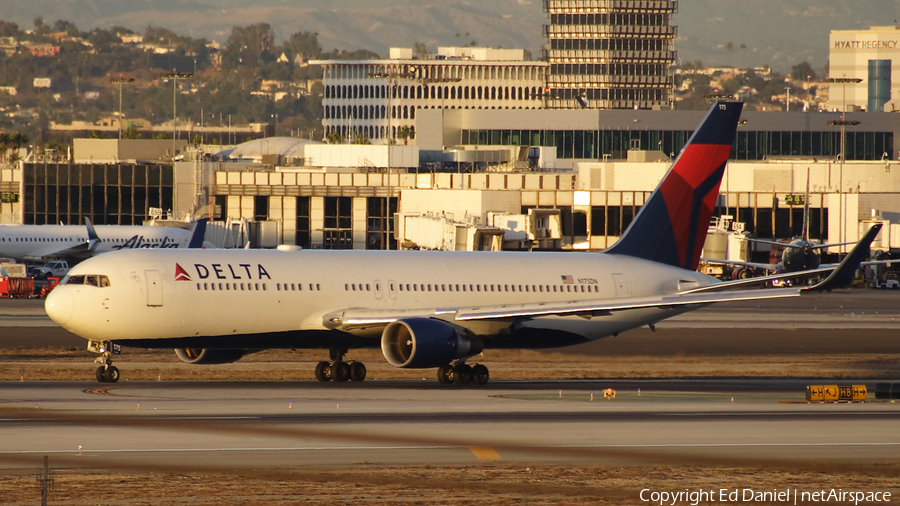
(392, 291)
(154, 288)
(378, 293)
(621, 285)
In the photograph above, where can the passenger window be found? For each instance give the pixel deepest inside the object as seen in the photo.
(368, 289)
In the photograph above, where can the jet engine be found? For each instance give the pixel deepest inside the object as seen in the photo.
(420, 343)
(207, 356)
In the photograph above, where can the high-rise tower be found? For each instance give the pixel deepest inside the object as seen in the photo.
(610, 54)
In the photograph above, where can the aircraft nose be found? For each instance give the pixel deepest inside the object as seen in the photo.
(60, 305)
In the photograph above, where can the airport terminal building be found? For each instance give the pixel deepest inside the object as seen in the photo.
(577, 176)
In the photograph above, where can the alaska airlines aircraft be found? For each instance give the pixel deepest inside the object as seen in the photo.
(424, 309)
(801, 255)
(39, 242)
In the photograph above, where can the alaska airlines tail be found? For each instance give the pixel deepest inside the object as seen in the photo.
(671, 226)
(198, 234)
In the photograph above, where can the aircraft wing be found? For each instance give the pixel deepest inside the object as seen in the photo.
(586, 308)
(766, 267)
(717, 292)
(82, 250)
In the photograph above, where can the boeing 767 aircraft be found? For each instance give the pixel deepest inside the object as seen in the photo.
(424, 309)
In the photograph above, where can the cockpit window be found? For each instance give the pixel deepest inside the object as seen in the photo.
(100, 281)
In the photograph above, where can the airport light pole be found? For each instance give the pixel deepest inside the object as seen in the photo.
(393, 79)
(843, 123)
(175, 76)
(120, 81)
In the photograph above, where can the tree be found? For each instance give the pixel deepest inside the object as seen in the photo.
(334, 137)
(420, 51)
(38, 23)
(249, 46)
(303, 44)
(360, 138)
(803, 70)
(8, 29)
(131, 132)
(67, 27)
(404, 133)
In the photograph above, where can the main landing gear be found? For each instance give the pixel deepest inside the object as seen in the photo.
(338, 370)
(463, 374)
(106, 373)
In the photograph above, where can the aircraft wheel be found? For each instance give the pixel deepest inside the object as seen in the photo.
(357, 371)
(445, 374)
(101, 374)
(323, 371)
(462, 374)
(340, 371)
(112, 374)
(480, 374)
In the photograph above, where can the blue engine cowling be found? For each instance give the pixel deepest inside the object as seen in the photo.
(207, 356)
(420, 343)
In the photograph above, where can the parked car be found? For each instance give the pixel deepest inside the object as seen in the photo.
(55, 269)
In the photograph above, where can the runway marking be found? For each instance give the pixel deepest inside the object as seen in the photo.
(485, 453)
(445, 447)
(98, 391)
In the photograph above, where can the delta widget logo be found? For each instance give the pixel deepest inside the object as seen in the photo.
(181, 274)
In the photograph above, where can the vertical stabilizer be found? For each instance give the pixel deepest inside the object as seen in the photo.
(198, 234)
(671, 227)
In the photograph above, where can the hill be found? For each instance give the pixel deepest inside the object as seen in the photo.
(779, 33)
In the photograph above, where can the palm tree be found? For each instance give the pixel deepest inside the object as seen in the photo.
(404, 133)
(5, 141)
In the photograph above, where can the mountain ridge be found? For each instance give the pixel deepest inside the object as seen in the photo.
(778, 33)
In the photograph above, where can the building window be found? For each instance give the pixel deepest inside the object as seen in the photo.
(338, 233)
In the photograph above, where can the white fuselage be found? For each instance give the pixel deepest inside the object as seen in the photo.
(35, 242)
(226, 293)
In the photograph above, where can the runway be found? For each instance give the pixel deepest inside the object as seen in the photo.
(215, 425)
(268, 425)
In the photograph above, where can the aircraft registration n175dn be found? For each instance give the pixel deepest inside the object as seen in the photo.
(424, 309)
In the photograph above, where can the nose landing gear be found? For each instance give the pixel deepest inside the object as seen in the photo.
(106, 373)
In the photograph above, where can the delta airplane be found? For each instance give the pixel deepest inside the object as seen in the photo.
(424, 309)
(40, 242)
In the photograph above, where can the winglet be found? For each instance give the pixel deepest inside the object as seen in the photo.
(93, 238)
(198, 234)
(846, 270)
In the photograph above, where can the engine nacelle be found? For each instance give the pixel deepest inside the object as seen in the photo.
(419, 343)
(207, 356)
